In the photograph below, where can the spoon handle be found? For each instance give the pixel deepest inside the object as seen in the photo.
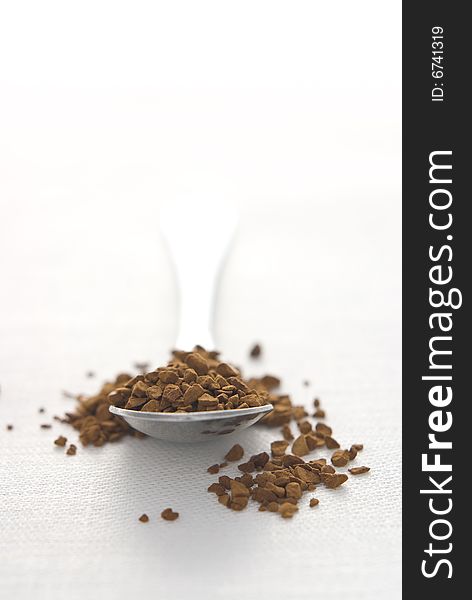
(198, 234)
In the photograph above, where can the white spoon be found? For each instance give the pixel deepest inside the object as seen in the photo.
(198, 234)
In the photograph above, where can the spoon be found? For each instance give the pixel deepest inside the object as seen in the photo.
(198, 234)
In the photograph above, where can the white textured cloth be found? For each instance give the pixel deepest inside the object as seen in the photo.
(328, 312)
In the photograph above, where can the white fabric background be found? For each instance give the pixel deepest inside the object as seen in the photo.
(95, 135)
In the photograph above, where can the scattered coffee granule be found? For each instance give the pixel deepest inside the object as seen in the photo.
(223, 465)
(358, 447)
(359, 470)
(217, 488)
(41, 410)
(316, 402)
(9, 427)
(314, 502)
(235, 453)
(92, 419)
(300, 447)
(278, 448)
(305, 427)
(330, 442)
(287, 433)
(45, 426)
(333, 480)
(287, 510)
(61, 441)
(306, 383)
(169, 515)
(141, 366)
(213, 469)
(352, 453)
(71, 450)
(90, 374)
(256, 351)
(319, 414)
(144, 518)
(340, 458)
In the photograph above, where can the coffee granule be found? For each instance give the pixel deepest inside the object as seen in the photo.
(340, 458)
(71, 450)
(235, 453)
(359, 470)
(314, 502)
(61, 441)
(169, 515)
(330, 442)
(287, 433)
(144, 518)
(41, 410)
(278, 448)
(256, 351)
(45, 426)
(213, 469)
(90, 374)
(9, 427)
(287, 510)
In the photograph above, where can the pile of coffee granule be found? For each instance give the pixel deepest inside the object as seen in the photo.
(191, 381)
(94, 422)
(278, 481)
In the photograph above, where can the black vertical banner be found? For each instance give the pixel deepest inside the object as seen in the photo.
(437, 254)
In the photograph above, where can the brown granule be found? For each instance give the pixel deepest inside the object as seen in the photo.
(256, 351)
(352, 453)
(169, 515)
(340, 458)
(319, 414)
(141, 366)
(287, 510)
(213, 469)
(304, 426)
(316, 402)
(235, 453)
(330, 442)
(358, 447)
(359, 470)
(61, 441)
(41, 410)
(247, 467)
(144, 518)
(217, 488)
(333, 480)
(314, 502)
(287, 433)
(9, 427)
(300, 447)
(71, 450)
(45, 426)
(278, 448)
(90, 374)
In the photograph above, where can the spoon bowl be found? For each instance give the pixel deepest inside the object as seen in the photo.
(194, 426)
